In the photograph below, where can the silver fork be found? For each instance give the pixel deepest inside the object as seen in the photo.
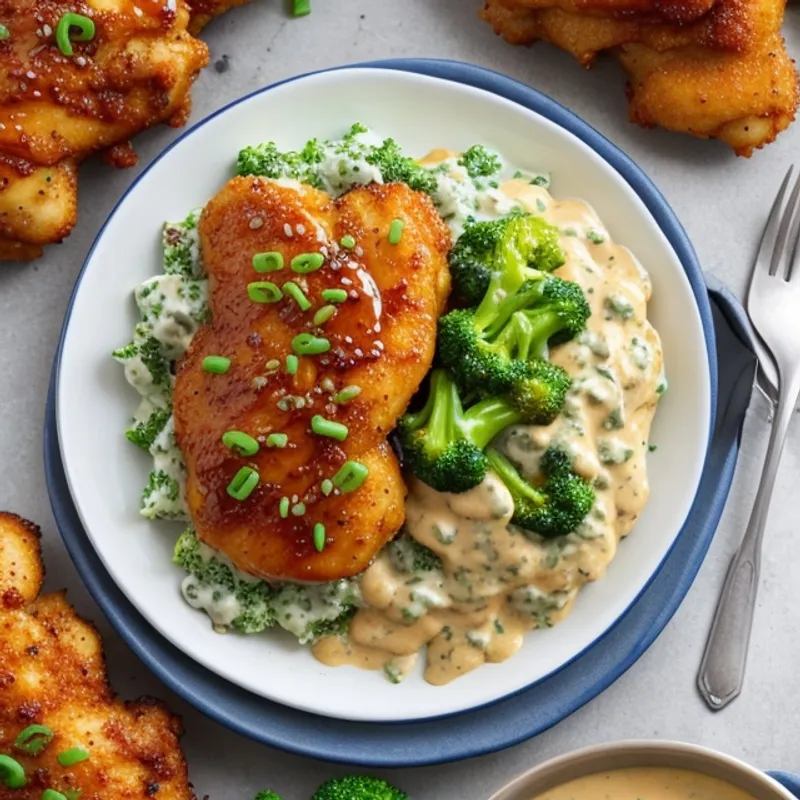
(773, 303)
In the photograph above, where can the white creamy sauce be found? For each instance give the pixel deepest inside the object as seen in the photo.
(494, 582)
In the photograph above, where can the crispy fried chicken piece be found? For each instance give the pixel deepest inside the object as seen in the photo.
(381, 338)
(52, 673)
(727, 76)
(203, 11)
(55, 110)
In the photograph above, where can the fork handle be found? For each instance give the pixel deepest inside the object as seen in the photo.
(722, 668)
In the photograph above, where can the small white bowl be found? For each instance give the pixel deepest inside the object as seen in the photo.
(105, 473)
(643, 753)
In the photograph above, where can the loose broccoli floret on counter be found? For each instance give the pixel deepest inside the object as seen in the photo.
(491, 260)
(397, 168)
(443, 444)
(555, 508)
(480, 162)
(500, 348)
(408, 555)
(358, 787)
(144, 433)
(268, 794)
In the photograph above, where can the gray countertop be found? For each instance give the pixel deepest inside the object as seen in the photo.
(721, 201)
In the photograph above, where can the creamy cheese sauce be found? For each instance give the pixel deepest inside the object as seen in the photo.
(497, 582)
(646, 783)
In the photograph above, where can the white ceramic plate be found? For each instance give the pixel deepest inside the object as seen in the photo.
(105, 473)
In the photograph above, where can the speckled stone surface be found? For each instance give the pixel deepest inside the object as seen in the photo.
(721, 201)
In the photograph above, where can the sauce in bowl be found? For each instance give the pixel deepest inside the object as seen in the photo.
(646, 783)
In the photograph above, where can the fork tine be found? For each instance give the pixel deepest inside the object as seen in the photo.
(794, 238)
(779, 247)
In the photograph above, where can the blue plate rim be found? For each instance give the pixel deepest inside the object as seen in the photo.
(527, 97)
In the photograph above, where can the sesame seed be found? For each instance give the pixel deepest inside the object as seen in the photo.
(37, 93)
(2, 126)
(47, 30)
(358, 352)
(346, 282)
(18, 127)
(377, 327)
(256, 223)
(324, 251)
(300, 228)
(379, 345)
(30, 75)
(359, 251)
(138, 11)
(80, 61)
(348, 339)
(39, 32)
(287, 229)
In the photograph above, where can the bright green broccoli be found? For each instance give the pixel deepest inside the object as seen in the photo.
(268, 794)
(397, 168)
(443, 444)
(499, 348)
(498, 256)
(358, 787)
(555, 508)
(144, 433)
(480, 162)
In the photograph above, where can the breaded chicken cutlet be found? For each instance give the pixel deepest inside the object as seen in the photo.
(77, 78)
(359, 320)
(725, 74)
(53, 674)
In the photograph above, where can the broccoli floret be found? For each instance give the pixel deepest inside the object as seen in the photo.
(497, 348)
(358, 787)
(255, 599)
(143, 434)
(263, 159)
(331, 627)
(443, 444)
(555, 508)
(480, 162)
(409, 556)
(267, 794)
(471, 258)
(491, 260)
(397, 168)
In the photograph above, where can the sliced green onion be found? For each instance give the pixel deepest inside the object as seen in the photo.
(277, 440)
(12, 773)
(292, 364)
(243, 483)
(334, 295)
(301, 8)
(239, 441)
(73, 756)
(264, 292)
(4, 33)
(347, 241)
(79, 21)
(216, 364)
(283, 507)
(347, 394)
(34, 739)
(324, 314)
(52, 794)
(351, 475)
(329, 428)
(395, 231)
(298, 509)
(319, 537)
(326, 486)
(296, 293)
(307, 262)
(268, 262)
(306, 344)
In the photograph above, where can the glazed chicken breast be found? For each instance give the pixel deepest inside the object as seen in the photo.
(56, 107)
(52, 673)
(353, 293)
